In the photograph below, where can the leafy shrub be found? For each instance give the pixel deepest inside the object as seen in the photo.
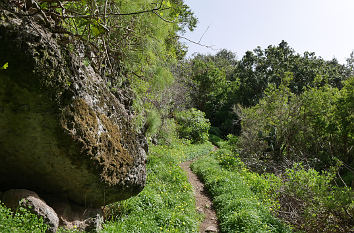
(215, 131)
(20, 221)
(193, 125)
(227, 159)
(153, 123)
(217, 141)
(230, 143)
(312, 204)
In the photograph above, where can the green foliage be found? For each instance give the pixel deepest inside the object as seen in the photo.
(211, 83)
(192, 125)
(217, 141)
(153, 123)
(213, 86)
(167, 202)
(167, 133)
(238, 208)
(304, 198)
(284, 128)
(227, 159)
(258, 68)
(20, 221)
(221, 81)
(265, 186)
(317, 203)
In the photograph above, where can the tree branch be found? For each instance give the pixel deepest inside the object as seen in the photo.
(197, 43)
(166, 20)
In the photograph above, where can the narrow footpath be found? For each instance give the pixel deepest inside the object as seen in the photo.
(203, 202)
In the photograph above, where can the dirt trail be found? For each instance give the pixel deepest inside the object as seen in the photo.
(203, 202)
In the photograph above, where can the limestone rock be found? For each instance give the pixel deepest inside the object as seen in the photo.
(62, 131)
(31, 201)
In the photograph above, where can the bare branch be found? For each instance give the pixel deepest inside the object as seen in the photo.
(197, 43)
(204, 34)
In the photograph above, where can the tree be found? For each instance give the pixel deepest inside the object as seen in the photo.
(259, 68)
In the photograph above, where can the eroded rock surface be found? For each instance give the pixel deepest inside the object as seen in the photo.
(62, 131)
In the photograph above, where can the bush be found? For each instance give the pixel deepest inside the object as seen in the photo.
(227, 159)
(313, 204)
(217, 141)
(153, 123)
(215, 131)
(193, 125)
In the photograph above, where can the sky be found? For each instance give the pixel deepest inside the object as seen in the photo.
(325, 27)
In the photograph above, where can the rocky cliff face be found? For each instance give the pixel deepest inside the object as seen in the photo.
(62, 131)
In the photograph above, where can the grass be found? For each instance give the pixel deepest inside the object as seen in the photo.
(167, 203)
(238, 208)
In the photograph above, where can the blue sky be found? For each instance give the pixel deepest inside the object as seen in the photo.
(325, 27)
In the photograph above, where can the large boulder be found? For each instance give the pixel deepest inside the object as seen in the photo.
(62, 131)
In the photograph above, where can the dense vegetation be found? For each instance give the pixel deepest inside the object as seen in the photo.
(283, 121)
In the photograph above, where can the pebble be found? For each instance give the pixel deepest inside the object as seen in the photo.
(211, 229)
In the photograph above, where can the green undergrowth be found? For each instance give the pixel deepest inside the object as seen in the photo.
(20, 221)
(306, 199)
(167, 203)
(241, 205)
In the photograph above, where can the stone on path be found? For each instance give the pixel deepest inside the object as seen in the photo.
(211, 229)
